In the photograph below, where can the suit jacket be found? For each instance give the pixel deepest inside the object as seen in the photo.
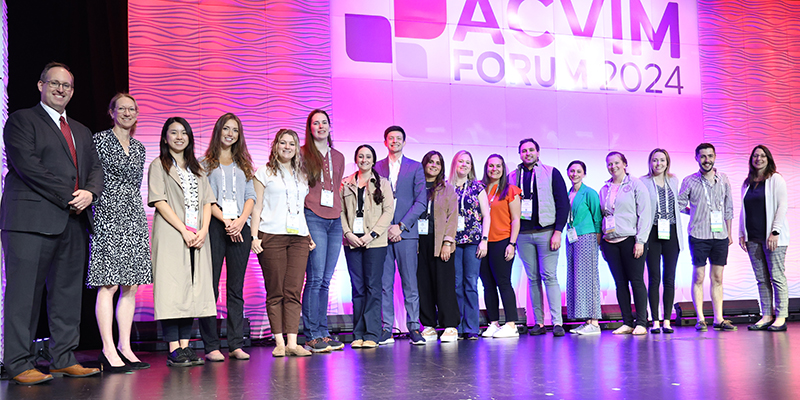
(410, 194)
(41, 174)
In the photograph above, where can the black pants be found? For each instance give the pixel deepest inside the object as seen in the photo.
(496, 274)
(668, 250)
(436, 280)
(34, 261)
(177, 329)
(236, 255)
(627, 270)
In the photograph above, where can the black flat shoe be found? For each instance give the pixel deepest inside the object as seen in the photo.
(667, 330)
(135, 365)
(760, 327)
(775, 328)
(655, 331)
(106, 366)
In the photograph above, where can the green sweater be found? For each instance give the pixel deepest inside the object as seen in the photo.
(586, 215)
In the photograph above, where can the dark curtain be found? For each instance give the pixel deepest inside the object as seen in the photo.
(91, 37)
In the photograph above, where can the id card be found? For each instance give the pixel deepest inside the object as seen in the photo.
(663, 229)
(527, 209)
(191, 220)
(716, 221)
(422, 226)
(293, 223)
(462, 224)
(572, 235)
(608, 224)
(230, 210)
(326, 198)
(358, 226)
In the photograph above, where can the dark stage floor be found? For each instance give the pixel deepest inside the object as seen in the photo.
(684, 365)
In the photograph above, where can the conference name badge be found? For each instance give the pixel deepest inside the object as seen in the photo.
(293, 224)
(326, 198)
(230, 210)
(609, 225)
(663, 229)
(716, 221)
(358, 226)
(191, 220)
(422, 226)
(572, 235)
(462, 224)
(527, 209)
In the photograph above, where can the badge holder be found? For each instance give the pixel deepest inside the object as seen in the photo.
(230, 210)
(527, 209)
(663, 229)
(191, 220)
(326, 198)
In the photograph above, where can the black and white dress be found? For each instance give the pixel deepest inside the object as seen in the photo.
(120, 250)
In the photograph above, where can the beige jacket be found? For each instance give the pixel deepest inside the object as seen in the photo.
(175, 293)
(377, 217)
(445, 218)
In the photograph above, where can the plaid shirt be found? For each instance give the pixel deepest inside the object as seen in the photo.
(693, 194)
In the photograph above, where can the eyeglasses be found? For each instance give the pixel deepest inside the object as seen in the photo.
(131, 110)
(57, 84)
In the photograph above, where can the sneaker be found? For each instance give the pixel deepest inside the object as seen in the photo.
(578, 330)
(558, 331)
(537, 330)
(193, 357)
(415, 337)
(386, 337)
(429, 334)
(472, 336)
(701, 326)
(491, 330)
(317, 346)
(369, 344)
(726, 325)
(449, 335)
(335, 344)
(507, 331)
(589, 329)
(356, 344)
(177, 358)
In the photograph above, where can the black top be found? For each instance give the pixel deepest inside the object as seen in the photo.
(560, 196)
(360, 211)
(425, 214)
(755, 210)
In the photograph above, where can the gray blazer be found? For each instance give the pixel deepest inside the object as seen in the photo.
(410, 194)
(672, 182)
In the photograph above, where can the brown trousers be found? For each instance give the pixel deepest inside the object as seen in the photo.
(283, 263)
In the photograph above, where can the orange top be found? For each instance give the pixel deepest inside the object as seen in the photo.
(501, 216)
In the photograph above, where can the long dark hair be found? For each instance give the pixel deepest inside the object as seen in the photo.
(502, 184)
(188, 152)
(753, 173)
(239, 151)
(377, 195)
(313, 158)
(439, 181)
(297, 161)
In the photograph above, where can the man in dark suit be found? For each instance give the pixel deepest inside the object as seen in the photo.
(53, 177)
(408, 185)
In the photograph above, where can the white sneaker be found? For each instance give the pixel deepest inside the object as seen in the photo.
(429, 334)
(507, 331)
(590, 329)
(579, 330)
(491, 330)
(450, 335)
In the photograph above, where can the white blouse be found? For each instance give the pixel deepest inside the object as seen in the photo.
(284, 195)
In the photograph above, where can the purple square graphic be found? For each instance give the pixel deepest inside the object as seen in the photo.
(412, 60)
(368, 38)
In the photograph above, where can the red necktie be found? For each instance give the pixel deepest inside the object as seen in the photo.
(68, 136)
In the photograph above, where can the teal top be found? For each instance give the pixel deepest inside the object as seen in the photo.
(586, 216)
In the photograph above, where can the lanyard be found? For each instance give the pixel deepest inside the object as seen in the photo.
(708, 197)
(297, 192)
(224, 183)
(608, 197)
(330, 169)
(461, 197)
(570, 217)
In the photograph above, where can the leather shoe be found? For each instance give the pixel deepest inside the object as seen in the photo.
(32, 377)
(759, 327)
(74, 371)
(775, 328)
(537, 330)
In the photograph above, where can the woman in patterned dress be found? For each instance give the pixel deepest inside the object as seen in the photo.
(583, 238)
(120, 252)
(472, 238)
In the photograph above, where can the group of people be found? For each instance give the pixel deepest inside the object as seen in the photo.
(440, 231)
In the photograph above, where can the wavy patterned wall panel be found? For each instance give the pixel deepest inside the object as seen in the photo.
(266, 61)
(751, 87)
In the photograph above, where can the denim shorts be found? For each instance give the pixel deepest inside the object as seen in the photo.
(715, 250)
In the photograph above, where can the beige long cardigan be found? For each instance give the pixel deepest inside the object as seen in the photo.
(175, 293)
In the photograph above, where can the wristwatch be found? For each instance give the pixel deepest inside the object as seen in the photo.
(484, 238)
(403, 227)
(374, 234)
(512, 244)
(776, 233)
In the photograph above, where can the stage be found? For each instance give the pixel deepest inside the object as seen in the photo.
(683, 365)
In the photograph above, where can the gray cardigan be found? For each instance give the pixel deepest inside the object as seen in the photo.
(672, 182)
(631, 211)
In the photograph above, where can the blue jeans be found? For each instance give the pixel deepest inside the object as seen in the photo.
(327, 234)
(366, 273)
(541, 264)
(468, 267)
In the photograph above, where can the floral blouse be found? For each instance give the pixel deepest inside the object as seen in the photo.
(470, 209)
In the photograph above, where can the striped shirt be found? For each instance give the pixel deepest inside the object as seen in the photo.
(664, 205)
(693, 193)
